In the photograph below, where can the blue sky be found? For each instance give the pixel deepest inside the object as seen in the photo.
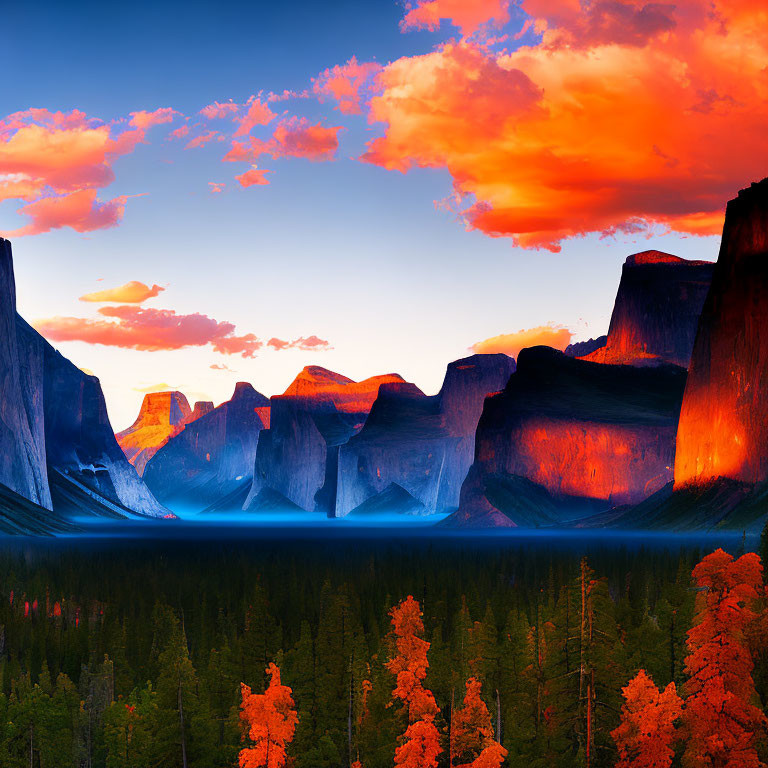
(351, 252)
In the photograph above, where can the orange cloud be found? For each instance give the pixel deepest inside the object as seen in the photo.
(310, 343)
(57, 161)
(152, 330)
(80, 211)
(467, 15)
(130, 293)
(345, 82)
(625, 117)
(253, 177)
(511, 343)
(258, 113)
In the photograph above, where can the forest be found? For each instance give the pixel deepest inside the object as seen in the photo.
(379, 653)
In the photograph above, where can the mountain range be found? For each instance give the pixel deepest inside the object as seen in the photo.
(662, 423)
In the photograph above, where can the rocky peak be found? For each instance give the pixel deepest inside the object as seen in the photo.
(201, 408)
(163, 409)
(656, 311)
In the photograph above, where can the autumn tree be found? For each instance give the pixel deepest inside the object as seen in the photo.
(420, 744)
(721, 719)
(472, 737)
(270, 719)
(647, 731)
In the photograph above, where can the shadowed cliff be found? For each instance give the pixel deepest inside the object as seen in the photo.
(422, 444)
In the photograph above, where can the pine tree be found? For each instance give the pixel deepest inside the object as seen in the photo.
(721, 719)
(270, 720)
(472, 735)
(646, 734)
(420, 744)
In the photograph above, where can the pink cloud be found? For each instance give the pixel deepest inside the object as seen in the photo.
(345, 82)
(216, 186)
(467, 15)
(253, 177)
(216, 110)
(293, 137)
(152, 330)
(180, 132)
(258, 113)
(130, 293)
(80, 211)
(303, 343)
(201, 140)
(145, 120)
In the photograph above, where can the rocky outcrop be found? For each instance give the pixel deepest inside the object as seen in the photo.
(569, 437)
(57, 449)
(656, 312)
(212, 456)
(201, 408)
(22, 436)
(583, 348)
(162, 415)
(423, 444)
(723, 430)
(297, 456)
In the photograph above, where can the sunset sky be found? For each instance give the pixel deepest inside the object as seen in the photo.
(207, 193)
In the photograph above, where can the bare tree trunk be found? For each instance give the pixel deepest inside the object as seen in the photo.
(349, 716)
(181, 724)
(498, 716)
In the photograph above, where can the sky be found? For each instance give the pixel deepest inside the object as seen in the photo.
(199, 194)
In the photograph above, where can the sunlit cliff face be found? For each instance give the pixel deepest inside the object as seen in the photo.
(320, 385)
(621, 464)
(580, 429)
(162, 416)
(723, 428)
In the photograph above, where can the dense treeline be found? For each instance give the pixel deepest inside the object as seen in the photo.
(130, 656)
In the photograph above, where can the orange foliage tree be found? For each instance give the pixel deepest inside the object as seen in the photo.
(720, 717)
(647, 731)
(420, 744)
(472, 737)
(270, 719)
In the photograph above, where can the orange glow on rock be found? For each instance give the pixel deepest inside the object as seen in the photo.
(319, 384)
(723, 427)
(162, 416)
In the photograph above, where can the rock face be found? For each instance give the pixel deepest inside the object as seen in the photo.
(212, 456)
(80, 443)
(723, 430)
(587, 436)
(583, 348)
(297, 456)
(423, 444)
(22, 437)
(162, 415)
(56, 442)
(656, 312)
